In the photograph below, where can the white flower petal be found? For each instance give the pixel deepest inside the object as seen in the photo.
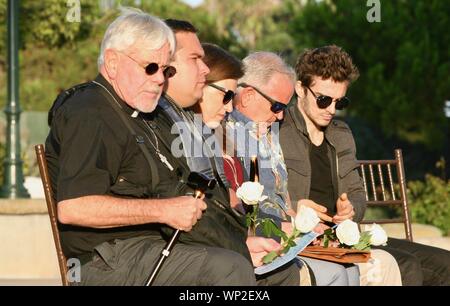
(306, 219)
(378, 235)
(348, 232)
(250, 192)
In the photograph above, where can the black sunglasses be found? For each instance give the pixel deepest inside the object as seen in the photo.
(152, 68)
(168, 71)
(325, 101)
(229, 94)
(276, 107)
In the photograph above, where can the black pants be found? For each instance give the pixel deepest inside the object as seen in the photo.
(130, 262)
(420, 264)
(287, 275)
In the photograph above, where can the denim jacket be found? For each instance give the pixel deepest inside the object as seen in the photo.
(272, 168)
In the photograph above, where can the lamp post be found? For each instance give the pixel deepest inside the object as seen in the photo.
(12, 165)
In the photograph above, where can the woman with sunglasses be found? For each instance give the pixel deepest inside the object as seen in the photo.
(221, 85)
(214, 105)
(217, 102)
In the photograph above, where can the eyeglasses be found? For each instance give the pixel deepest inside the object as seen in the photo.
(325, 101)
(229, 94)
(152, 68)
(276, 107)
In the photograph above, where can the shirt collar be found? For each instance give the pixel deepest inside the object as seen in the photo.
(300, 124)
(298, 119)
(123, 105)
(239, 117)
(249, 124)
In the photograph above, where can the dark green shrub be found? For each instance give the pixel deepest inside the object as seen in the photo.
(429, 202)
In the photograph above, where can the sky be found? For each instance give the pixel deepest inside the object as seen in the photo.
(193, 2)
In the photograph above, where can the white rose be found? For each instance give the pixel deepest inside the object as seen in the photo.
(377, 234)
(251, 193)
(306, 219)
(348, 232)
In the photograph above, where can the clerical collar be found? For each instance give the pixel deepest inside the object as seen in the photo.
(123, 105)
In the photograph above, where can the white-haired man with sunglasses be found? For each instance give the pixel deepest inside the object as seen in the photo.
(113, 179)
(263, 94)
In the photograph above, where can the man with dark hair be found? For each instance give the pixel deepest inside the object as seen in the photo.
(264, 91)
(178, 25)
(320, 155)
(220, 226)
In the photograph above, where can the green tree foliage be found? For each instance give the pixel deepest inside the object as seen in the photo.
(2, 33)
(430, 202)
(56, 54)
(252, 25)
(404, 61)
(46, 23)
(205, 23)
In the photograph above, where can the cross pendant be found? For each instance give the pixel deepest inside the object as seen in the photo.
(164, 160)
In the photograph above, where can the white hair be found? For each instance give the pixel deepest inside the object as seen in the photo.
(260, 66)
(133, 25)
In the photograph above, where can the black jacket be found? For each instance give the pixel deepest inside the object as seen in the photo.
(295, 143)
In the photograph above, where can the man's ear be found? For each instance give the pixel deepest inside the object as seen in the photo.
(111, 62)
(299, 90)
(248, 94)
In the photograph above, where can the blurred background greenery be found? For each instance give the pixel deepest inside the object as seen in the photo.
(398, 102)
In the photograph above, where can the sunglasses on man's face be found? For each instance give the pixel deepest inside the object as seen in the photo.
(276, 106)
(152, 68)
(168, 71)
(325, 101)
(228, 94)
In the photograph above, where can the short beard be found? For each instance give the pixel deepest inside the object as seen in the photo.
(147, 107)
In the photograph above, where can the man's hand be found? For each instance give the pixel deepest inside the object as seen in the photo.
(260, 247)
(344, 209)
(321, 228)
(320, 209)
(183, 212)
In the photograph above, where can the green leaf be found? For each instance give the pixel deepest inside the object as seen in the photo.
(270, 257)
(329, 235)
(284, 236)
(277, 231)
(267, 228)
(328, 232)
(291, 243)
(285, 249)
(326, 241)
(248, 220)
(363, 243)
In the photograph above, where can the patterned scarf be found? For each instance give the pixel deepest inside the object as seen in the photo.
(272, 168)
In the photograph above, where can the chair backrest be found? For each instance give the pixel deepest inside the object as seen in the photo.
(52, 212)
(374, 174)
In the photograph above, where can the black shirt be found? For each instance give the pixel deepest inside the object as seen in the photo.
(321, 183)
(91, 152)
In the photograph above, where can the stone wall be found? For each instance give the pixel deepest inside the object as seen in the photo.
(27, 247)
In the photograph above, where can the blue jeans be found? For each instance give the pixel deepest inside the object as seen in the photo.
(333, 274)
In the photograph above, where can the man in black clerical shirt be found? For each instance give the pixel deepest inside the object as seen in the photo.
(116, 184)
